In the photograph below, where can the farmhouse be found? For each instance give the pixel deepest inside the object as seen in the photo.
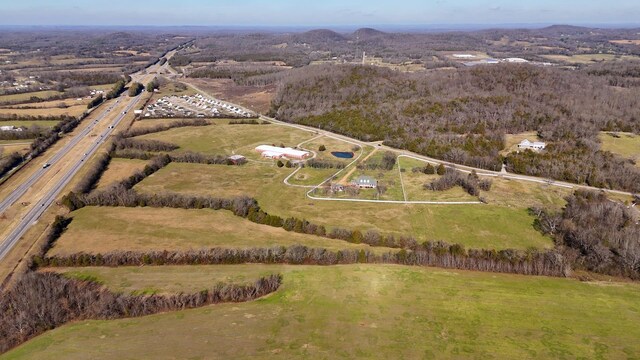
(536, 145)
(274, 152)
(366, 182)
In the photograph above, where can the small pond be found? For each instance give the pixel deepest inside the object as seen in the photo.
(342, 154)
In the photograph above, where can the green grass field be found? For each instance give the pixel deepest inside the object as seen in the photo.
(626, 145)
(363, 311)
(168, 279)
(229, 139)
(104, 229)
(476, 226)
(29, 123)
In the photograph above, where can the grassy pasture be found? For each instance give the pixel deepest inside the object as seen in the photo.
(486, 226)
(22, 147)
(29, 123)
(168, 279)
(363, 311)
(103, 229)
(26, 96)
(626, 145)
(75, 110)
(229, 139)
(311, 177)
(589, 58)
(50, 104)
(119, 169)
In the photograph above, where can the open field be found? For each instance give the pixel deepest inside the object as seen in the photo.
(75, 110)
(29, 123)
(625, 42)
(504, 192)
(478, 226)
(254, 98)
(626, 145)
(230, 139)
(119, 169)
(589, 58)
(311, 176)
(103, 229)
(50, 104)
(21, 147)
(26, 96)
(169, 279)
(365, 311)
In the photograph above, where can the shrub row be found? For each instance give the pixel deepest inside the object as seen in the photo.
(43, 301)
(429, 254)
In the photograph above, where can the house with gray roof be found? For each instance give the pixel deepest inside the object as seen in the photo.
(366, 182)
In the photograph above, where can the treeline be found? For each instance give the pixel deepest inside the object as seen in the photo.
(143, 145)
(164, 127)
(252, 74)
(117, 89)
(75, 78)
(248, 122)
(596, 234)
(471, 183)
(464, 115)
(9, 162)
(135, 89)
(324, 164)
(387, 162)
(95, 101)
(42, 301)
(31, 132)
(436, 254)
(91, 178)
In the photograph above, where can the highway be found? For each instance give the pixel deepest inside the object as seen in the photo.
(22, 189)
(41, 206)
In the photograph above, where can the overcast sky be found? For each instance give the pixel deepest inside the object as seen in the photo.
(317, 13)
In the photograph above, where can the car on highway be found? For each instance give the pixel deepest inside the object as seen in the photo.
(124, 112)
(46, 165)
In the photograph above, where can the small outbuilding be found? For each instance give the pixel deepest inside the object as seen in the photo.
(237, 159)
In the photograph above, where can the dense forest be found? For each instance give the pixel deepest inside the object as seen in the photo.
(596, 234)
(462, 115)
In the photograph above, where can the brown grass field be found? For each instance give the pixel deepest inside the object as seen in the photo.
(119, 169)
(104, 229)
(71, 111)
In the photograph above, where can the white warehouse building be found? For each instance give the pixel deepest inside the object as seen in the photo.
(274, 152)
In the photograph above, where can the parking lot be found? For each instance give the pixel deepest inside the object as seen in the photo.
(192, 106)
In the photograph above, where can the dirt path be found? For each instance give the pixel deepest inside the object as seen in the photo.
(345, 178)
